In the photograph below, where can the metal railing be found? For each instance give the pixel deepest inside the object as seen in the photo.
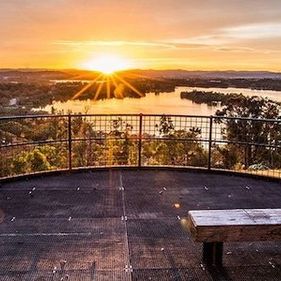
(39, 143)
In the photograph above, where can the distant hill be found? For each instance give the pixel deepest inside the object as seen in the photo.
(43, 75)
(185, 74)
(9, 75)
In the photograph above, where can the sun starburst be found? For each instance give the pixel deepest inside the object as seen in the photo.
(108, 79)
(107, 63)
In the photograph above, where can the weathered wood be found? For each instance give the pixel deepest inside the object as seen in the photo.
(235, 225)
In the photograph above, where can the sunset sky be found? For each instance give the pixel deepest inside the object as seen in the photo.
(187, 34)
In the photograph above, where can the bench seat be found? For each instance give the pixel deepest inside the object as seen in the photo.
(213, 227)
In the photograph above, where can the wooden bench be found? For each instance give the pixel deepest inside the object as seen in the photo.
(213, 227)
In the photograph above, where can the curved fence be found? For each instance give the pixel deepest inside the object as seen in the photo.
(37, 143)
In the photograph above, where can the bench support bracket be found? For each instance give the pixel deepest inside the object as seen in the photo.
(212, 253)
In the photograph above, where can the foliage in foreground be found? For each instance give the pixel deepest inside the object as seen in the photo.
(250, 142)
(245, 144)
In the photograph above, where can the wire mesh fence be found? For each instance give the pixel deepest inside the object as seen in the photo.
(31, 144)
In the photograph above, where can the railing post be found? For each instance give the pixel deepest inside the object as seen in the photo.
(69, 143)
(210, 144)
(140, 140)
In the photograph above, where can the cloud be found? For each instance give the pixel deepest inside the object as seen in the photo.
(253, 31)
(232, 34)
(118, 43)
(143, 44)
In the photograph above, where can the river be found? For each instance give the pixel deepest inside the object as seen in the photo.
(163, 103)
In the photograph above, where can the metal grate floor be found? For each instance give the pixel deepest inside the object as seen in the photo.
(126, 226)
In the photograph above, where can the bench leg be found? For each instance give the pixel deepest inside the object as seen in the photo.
(212, 253)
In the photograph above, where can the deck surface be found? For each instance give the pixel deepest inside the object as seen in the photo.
(127, 226)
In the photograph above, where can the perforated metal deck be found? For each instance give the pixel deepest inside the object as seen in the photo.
(127, 225)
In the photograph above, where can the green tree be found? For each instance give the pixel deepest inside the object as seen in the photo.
(174, 147)
(249, 137)
(120, 144)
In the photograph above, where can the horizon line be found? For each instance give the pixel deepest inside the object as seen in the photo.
(133, 69)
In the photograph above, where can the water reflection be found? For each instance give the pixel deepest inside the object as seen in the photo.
(163, 103)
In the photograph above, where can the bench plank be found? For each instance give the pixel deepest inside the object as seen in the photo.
(235, 225)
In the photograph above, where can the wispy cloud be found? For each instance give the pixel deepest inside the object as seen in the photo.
(220, 42)
(253, 31)
(146, 44)
(89, 43)
(229, 35)
(236, 38)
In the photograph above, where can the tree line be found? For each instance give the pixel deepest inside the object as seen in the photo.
(238, 143)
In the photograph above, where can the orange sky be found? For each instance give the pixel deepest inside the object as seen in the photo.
(187, 34)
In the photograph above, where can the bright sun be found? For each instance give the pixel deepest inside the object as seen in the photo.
(107, 64)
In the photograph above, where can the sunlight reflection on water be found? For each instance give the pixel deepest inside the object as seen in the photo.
(164, 103)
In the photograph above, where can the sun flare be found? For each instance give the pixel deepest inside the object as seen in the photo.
(107, 64)
(108, 83)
